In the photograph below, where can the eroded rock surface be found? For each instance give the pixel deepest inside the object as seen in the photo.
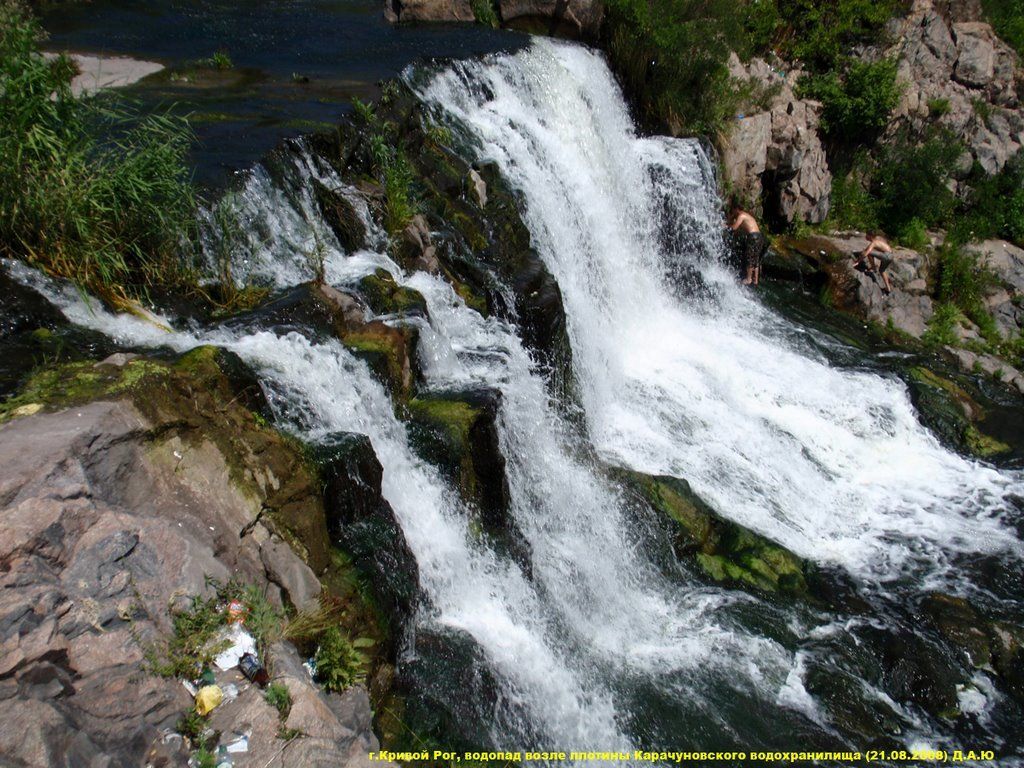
(112, 513)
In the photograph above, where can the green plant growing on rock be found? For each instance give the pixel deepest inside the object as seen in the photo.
(340, 662)
(220, 60)
(394, 172)
(191, 647)
(89, 190)
(485, 13)
(910, 181)
(671, 56)
(279, 698)
(1007, 18)
(857, 103)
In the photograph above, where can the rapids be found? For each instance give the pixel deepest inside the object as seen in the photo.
(605, 641)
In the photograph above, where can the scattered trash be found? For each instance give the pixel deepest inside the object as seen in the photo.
(239, 745)
(190, 687)
(252, 669)
(224, 759)
(240, 643)
(207, 678)
(208, 698)
(236, 612)
(310, 666)
(230, 692)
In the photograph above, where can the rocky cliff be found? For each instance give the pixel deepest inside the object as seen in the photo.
(127, 486)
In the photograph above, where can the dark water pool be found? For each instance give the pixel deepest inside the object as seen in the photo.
(296, 64)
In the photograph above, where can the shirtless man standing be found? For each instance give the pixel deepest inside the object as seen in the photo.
(753, 243)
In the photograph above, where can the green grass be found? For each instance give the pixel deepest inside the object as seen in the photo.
(89, 189)
(484, 13)
(1007, 18)
(857, 99)
(279, 698)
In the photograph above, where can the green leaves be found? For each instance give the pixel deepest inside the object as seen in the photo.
(856, 104)
(340, 662)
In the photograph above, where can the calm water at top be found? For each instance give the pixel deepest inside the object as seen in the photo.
(296, 63)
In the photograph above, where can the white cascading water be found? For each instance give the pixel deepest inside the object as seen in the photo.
(831, 463)
(601, 647)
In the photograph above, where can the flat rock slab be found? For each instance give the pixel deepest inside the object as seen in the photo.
(96, 72)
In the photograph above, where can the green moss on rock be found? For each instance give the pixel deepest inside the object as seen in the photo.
(386, 297)
(390, 352)
(950, 411)
(725, 551)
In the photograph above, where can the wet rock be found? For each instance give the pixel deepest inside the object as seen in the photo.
(575, 19)
(723, 550)
(390, 351)
(416, 249)
(386, 297)
(949, 411)
(362, 522)
(341, 216)
(458, 432)
(479, 187)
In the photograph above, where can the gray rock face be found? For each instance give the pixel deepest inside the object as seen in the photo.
(950, 68)
(105, 522)
(1005, 300)
(776, 155)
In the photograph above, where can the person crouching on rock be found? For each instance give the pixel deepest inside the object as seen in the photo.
(877, 246)
(751, 242)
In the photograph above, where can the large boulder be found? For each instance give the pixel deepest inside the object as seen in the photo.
(774, 156)
(962, 76)
(575, 19)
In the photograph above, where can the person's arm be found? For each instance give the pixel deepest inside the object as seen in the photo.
(866, 252)
(737, 223)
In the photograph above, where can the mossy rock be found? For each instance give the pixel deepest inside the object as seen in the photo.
(362, 522)
(457, 431)
(948, 410)
(390, 352)
(723, 550)
(386, 297)
(341, 217)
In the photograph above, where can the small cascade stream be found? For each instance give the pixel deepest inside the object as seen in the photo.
(603, 640)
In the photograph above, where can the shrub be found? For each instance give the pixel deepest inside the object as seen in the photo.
(817, 32)
(340, 663)
(671, 57)
(88, 190)
(855, 105)
(942, 325)
(994, 206)
(484, 13)
(1007, 18)
(962, 283)
(853, 206)
(938, 107)
(910, 181)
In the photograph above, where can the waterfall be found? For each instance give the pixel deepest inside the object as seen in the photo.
(601, 643)
(719, 390)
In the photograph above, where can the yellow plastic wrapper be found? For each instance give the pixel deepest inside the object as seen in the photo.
(207, 699)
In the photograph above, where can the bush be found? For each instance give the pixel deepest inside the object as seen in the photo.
(962, 283)
(88, 191)
(278, 696)
(817, 32)
(910, 182)
(853, 207)
(994, 206)
(340, 663)
(671, 57)
(855, 105)
(1007, 18)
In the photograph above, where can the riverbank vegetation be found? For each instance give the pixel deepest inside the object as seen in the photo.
(89, 190)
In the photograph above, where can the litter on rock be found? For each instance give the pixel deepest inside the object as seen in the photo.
(252, 669)
(241, 744)
(230, 692)
(208, 699)
(240, 643)
(310, 666)
(190, 687)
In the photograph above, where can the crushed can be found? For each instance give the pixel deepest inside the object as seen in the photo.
(236, 612)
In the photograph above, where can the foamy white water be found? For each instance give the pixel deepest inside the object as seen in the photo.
(831, 463)
(598, 647)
